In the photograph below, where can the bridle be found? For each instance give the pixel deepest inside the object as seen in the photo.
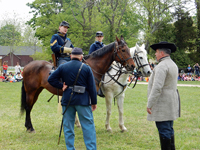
(116, 49)
(136, 59)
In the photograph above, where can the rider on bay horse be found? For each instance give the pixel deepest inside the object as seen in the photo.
(61, 45)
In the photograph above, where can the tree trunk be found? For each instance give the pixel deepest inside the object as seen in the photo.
(197, 2)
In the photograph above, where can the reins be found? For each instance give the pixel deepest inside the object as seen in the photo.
(116, 50)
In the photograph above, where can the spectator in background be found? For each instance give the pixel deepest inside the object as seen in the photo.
(5, 67)
(19, 77)
(152, 64)
(17, 68)
(6, 78)
(179, 77)
(2, 77)
(12, 78)
(196, 68)
(189, 70)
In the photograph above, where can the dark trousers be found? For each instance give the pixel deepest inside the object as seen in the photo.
(165, 129)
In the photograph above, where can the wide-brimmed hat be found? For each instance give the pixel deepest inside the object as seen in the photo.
(64, 23)
(77, 51)
(99, 33)
(170, 46)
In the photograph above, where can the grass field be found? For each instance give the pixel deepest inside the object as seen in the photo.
(141, 135)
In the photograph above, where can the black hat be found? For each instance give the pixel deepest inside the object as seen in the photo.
(99, 33)
(170, 46)
(77, 51)
(64, 23)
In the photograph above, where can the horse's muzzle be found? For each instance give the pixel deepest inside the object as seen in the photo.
(129, 68)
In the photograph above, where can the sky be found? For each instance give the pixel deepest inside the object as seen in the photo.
(12, 8)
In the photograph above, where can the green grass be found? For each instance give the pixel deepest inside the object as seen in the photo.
(141, 135)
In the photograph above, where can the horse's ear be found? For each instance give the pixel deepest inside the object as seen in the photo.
(143, 46)
(122, 38)
(137, 46)
(117, 39)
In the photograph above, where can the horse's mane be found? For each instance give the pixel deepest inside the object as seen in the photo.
(100, 52)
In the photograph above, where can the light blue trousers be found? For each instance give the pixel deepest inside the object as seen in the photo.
(86, 119)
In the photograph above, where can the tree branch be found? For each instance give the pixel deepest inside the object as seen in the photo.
(77, 19)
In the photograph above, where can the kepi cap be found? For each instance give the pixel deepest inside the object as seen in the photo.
(164, 44)
(64, 23)
(77, 51)
(99, 33)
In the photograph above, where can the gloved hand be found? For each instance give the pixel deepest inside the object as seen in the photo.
(67, 50)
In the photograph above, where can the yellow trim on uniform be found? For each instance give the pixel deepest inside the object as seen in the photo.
(53, 42)
(61, 49)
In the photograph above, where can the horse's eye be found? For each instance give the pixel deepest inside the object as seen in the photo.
(123, 50)
(140, 57)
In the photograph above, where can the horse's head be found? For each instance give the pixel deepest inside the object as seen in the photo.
(122, 54)
(139, 55)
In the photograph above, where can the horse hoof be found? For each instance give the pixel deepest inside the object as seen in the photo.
(124, 130)
(109, 130)
(30, 130)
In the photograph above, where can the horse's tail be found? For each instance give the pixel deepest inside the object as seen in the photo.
(23, 98)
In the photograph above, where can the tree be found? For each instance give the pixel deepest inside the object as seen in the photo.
(155, 13)
(197, 3)
(10, 36)
(183, 33)
(29, 39)
(113, 12)
(85, 19)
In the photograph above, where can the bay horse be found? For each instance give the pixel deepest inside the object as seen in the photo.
(36, 73)
(117, 85)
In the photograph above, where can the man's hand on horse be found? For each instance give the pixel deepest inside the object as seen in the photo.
(64, 86)
(149, 110)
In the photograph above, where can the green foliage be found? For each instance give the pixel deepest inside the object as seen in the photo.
(41, 56)
(185, 31)
(181, 58)
(9, 36)
(182, 33)
(85, 19)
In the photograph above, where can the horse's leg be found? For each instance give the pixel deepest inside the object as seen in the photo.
(31, 98)
(120, 102)
(77, 123)
(59, 105)
(28, 108)
(108, 99)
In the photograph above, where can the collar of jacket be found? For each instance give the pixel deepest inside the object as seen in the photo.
(60, 34)
(97, 42)
(75, 59)
(163, 58)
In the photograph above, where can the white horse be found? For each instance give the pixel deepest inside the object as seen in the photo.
(116, 88)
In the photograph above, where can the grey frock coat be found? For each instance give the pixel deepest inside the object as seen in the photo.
(163, 97)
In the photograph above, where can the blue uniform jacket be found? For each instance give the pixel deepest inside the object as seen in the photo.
(57, 42)
(68, 72)
(95, 46)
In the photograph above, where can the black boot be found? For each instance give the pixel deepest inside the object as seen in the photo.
(172, 143)
(165, 143)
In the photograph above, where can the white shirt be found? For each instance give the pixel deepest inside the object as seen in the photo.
(17, 69)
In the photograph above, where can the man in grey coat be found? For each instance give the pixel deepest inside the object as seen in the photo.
(163, 99)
